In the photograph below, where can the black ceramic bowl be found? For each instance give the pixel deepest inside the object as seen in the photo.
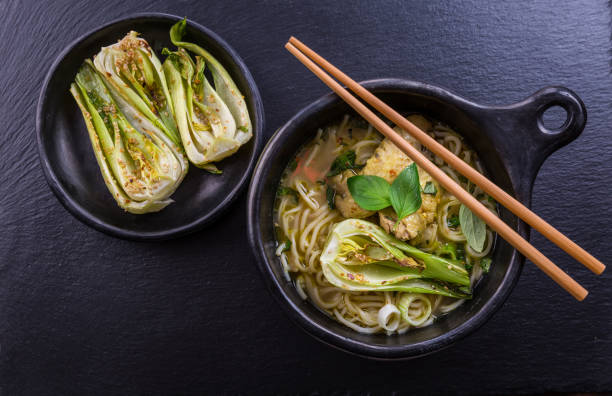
(512, 143)
(68, 159)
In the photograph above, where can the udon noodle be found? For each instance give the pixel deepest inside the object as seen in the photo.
(303, 218)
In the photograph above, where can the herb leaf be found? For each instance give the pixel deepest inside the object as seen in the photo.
(485, 264)
(293, 164)
(405, 193)
(370, 192)
(343, 162)
(287, 191)
(430, 188)
(452, 221)
(330, 194)
(474, 229)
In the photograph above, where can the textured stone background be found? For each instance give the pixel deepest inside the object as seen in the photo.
(83, 313)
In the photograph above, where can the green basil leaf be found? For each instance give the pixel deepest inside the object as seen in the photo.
(452, 221)
(343, 162)
(370, 192)
(330, 194)
(474, 229)
(485, 264)
(286, 246)
(293, 164)
(405, 193)
(430, 188)
(287, 191)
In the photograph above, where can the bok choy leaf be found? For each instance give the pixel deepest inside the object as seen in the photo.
(360, 256)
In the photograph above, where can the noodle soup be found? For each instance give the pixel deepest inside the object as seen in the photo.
(370, 269)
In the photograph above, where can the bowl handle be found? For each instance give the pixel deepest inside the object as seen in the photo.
(523, 138)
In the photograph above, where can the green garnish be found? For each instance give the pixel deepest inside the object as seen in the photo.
(405, 192)
(474, 229)
(453, 221)
(375, 193)
(282, 191)
(344, 162)
(430, 188)
(485, 265)
(330, 194)
(370, 192)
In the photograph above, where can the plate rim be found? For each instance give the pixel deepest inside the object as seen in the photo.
(85, 216)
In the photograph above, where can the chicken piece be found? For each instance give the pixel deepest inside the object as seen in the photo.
(344, 201)
(387, 162)
(421, 122)
(412, 225)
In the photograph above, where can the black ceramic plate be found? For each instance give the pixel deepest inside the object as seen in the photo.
(68, 159)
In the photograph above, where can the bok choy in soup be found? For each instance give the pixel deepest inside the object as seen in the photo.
(372, 239)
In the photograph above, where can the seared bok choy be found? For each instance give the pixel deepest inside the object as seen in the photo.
(213, 121)
(132, 70)
(360, 256)
(139, 160)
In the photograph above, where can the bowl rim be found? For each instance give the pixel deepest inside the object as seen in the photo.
(327, 336)
(85, 216)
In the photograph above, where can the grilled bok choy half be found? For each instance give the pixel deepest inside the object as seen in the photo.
(132, 70)
(137, 154)
(213, 121)
(361, 256)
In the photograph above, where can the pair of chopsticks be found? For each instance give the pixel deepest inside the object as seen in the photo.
(311, 59)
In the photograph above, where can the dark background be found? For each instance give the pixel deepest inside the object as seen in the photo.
(82, 312)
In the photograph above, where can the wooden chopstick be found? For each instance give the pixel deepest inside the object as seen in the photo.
(547, 266)
(458, 164)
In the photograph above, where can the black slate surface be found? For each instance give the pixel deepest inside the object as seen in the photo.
(85, 313)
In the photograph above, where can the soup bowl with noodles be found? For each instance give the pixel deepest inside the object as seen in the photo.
(363, 280)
